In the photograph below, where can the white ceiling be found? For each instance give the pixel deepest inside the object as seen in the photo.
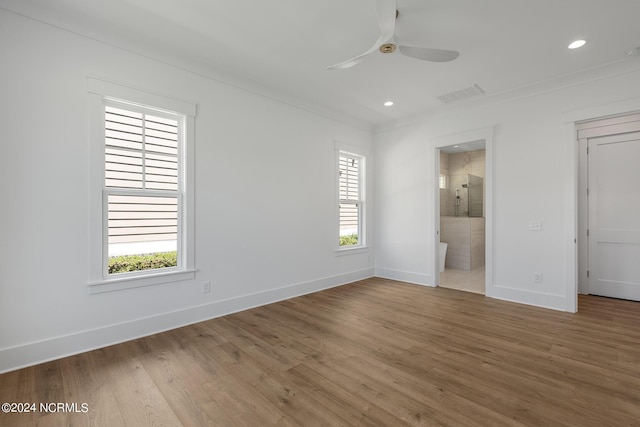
(281, 47)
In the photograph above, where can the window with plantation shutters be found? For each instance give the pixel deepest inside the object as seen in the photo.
(142, 188)
(141, 177)
(350, 199)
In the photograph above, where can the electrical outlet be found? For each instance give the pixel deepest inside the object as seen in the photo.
(537, 277)
(206, 287)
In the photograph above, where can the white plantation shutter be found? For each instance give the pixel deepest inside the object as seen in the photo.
(350, 203)
(349, 177)
(141, 151)
(142, 185)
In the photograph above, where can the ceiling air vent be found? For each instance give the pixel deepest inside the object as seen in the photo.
(462, 94)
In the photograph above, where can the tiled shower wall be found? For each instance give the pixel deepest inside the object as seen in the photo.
(466, 242)
(453, 165)
(464, 235)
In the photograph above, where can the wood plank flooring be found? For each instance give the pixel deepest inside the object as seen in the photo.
(372, 353)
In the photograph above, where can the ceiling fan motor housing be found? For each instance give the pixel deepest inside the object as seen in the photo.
(388, 48)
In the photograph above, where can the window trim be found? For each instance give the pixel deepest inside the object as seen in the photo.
(101, 93)
(340, 150)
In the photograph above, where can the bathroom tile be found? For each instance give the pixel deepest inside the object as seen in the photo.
(469, 281)
(460, 262)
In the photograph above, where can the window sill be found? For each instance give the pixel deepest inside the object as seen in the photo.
(351, 250)
(138, 281)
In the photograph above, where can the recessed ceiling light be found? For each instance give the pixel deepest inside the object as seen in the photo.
(388, 103)
(456, 146)
(576, 44)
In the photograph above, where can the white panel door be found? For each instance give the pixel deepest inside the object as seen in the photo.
(614, 216)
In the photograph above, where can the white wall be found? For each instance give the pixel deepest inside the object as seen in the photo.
(265, 198)
(534, 178)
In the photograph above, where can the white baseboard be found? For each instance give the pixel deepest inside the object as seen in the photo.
(30, 354)
(554, 302)
(405, 276)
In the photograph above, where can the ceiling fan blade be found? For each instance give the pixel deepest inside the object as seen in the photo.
(355, 60)
(386, 12)
(348, 63)
(429, 54)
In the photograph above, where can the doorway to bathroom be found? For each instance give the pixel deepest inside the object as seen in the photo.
(461, 185)
(462, 200)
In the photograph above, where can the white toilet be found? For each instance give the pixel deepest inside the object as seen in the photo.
(443, 255)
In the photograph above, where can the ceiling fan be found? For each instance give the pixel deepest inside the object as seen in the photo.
(386, 43)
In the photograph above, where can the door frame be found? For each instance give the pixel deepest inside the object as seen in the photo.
(483, 134)
(615, 125)
(572, 119)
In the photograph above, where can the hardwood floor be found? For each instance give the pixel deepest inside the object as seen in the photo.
(372, 353)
